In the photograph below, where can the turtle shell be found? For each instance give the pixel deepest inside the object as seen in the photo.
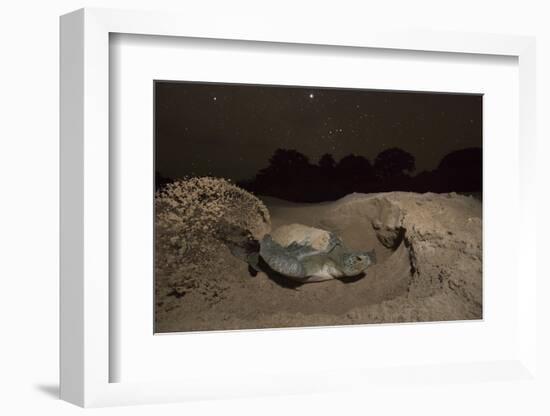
(320, 240)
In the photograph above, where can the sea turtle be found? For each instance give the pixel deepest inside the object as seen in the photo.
(308, 254)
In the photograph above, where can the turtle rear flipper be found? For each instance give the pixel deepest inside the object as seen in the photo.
(253, 261)
(241, 245)
(243, 249)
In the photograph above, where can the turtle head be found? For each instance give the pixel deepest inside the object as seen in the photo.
(357, 262)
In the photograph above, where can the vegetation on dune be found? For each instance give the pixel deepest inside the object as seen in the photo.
(191, 216)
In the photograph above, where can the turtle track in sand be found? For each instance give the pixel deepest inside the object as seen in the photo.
(428, 248)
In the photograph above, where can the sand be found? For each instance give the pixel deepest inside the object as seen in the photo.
(429, 268)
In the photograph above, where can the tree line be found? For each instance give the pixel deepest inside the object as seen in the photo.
(291, 176)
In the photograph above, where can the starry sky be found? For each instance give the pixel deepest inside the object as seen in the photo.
(231, 130)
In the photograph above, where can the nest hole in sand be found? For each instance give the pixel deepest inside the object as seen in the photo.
(366, 223)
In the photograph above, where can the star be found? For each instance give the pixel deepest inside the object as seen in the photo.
(215, 98)
(311, 96)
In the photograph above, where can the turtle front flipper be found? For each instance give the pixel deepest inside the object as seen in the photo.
(279, 259)
(334, 241)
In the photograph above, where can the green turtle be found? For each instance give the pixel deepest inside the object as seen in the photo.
(308, 254)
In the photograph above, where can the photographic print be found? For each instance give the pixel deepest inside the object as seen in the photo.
(291, 206)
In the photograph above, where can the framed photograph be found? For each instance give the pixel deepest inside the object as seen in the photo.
(262, 191)
(270, 213)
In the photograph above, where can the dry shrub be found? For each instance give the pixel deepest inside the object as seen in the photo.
(191, 216)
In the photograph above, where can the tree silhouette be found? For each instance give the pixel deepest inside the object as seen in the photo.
(327, 162)
(459, 171)
(352, 174)
(292, 177)
(355, 167)
(286, 160)
(284, 164)
(462, 170)
(394, 162)
(289, 175)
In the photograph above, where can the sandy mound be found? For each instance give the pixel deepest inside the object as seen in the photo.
(429, 268)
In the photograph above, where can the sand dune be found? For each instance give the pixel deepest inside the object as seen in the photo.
(429, 268)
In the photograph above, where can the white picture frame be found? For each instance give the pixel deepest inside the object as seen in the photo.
(85, 220)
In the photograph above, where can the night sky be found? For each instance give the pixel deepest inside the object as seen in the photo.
(231, 130)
